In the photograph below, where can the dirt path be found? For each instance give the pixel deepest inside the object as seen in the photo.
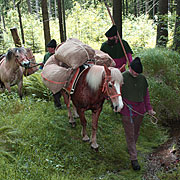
(165, 158)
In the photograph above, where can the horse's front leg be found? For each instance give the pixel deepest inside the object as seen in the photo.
(67, 102)
(84, 124)
(20, 87)
(7, 86)
(76, 115)
(95, 117)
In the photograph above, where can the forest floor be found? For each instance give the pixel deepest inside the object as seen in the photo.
(165, 158)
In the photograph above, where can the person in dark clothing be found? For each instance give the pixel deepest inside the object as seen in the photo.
(113, 47)
(136, 101)
(51, 46)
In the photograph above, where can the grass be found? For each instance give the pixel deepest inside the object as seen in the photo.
(37, 142)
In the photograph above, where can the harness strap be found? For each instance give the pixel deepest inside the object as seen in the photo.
(54, 82)
(115, 95)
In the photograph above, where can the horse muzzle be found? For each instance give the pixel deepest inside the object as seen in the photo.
(26, 64)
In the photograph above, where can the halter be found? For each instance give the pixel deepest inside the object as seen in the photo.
(17, 61)
(106, 89)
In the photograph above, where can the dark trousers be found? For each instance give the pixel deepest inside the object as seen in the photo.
(131, 128)
(57, 102)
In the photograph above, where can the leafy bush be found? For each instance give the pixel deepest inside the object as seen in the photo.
(162, 68)
(34, 86)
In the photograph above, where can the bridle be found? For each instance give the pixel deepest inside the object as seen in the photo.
(18, 62)
(30, 59)
(105, 88)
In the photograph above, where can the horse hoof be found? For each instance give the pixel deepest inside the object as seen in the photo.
(86, 138)
(73, 124)
(95, 149)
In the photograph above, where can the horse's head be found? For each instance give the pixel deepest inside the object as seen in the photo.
(112, 87)
(19, 56)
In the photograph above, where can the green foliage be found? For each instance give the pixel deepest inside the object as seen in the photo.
(34, 86)
(139, 32)
(36, 141)
(46, 147)
(162, 68)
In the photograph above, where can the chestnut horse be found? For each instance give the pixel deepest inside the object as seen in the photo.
(95, 84)
(11, 72)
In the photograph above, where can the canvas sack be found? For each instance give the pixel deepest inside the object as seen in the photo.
(54, 76)
(74, 53)
(102, 58)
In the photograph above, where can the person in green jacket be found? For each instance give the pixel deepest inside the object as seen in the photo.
(136, 99)
(51, 46)
(114, 49)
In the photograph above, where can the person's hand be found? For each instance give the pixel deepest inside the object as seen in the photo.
(151, 112)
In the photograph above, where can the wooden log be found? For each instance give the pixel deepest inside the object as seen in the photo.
(15, 36)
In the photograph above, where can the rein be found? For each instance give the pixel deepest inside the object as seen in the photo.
(30, 59)
(151, 116)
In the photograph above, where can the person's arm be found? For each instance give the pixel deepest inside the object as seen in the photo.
(148, 106)
(129, 55)
(42, 64)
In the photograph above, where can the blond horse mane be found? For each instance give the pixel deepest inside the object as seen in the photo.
(94, 76)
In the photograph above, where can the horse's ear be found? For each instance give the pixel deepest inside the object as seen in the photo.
(9, 54)
(108, 72)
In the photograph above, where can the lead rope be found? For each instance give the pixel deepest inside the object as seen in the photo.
(151, 116)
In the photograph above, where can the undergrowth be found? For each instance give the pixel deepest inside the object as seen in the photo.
(37, 142)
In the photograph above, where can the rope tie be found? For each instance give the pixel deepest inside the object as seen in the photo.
(54, 82)
(82, 48)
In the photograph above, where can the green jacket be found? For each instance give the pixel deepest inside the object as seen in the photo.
(116, 51)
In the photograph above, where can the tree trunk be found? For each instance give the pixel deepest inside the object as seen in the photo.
(123, 7)
(154, 7)
(135, 8)
(127, 8)
(176, 42)
(146, 6)
(55, 8)
(3, 20)
(64, 20)
(15, 36)
(46, 27)
(60, 16)
(29, 6)
(162, 28)
(50, 10)
(117, 15)
(20, 21)
(1, 35)
(37, 8)
(138, 7)
(14, 4)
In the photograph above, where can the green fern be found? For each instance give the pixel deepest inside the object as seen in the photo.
(34, 86)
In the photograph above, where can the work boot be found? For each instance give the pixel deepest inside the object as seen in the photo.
(135, 165)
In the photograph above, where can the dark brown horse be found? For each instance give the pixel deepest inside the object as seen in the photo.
(95, 84)
(11, 72)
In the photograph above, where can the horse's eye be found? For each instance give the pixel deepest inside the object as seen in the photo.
(110, 85)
